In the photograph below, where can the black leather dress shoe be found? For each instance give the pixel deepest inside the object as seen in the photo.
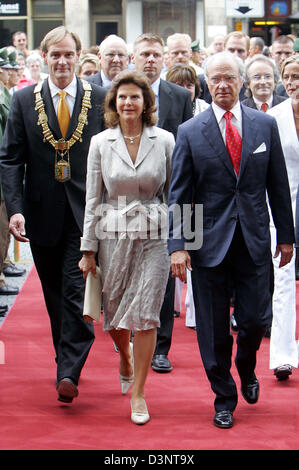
(67, 390)
(13, 271)
(250, 389)
(223, 419)
(161, 363)
(9, 290)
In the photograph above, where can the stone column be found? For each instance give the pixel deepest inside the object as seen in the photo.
(77, 19)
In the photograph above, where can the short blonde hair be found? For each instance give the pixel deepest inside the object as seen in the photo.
(287, 61)
(179, 36)
(57, 35)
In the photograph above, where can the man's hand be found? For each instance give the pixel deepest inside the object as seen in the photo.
(17, 227)
(180, 260)
(286, 250)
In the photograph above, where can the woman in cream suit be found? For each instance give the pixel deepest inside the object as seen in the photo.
(283, 345)
(126, 223)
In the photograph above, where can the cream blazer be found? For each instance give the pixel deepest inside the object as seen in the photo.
(283, 114)
(111, 175)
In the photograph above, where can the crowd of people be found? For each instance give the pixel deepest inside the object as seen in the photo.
(96, 143)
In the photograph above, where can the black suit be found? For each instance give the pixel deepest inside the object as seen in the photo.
(174, 109)
(276, 100)
(236, 237)
(53, 213)
(96, 79)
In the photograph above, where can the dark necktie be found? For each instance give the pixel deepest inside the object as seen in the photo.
(233, 142)
(264, 107)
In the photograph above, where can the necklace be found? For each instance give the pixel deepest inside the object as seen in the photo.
(62, 157)
(131, 138)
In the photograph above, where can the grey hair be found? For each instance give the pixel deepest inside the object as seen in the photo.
(110, 38)
(34, 57)
(266, 60)
(226, 56)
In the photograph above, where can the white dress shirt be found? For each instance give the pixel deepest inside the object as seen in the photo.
(155, 88)
(236, 119)
(71, 92)
(106, 81)
(259, 103)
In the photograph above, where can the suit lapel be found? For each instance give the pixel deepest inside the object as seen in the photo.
(52, 117)
(146, 144)
(212, 133)
(165, 97)
(76, 110)
(50, 111)
(118, 146)
(250, 132)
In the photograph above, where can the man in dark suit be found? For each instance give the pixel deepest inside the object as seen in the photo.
(45, 144)
(261, 78)
(174, 107)
(114, 57)
(237, 43)
(224, 161)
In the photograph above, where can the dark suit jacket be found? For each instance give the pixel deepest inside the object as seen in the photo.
(280, 90)
(42, 199)
(174, 106)
(276, 100)
(96, 79)
(201, 166)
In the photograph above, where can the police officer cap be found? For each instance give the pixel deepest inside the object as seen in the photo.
(12, 57)
(195, 46)
(4, 62)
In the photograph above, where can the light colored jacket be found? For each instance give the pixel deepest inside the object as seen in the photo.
(284, 116)
(115, 182)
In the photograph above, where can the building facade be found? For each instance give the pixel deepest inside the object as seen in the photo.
(93, 20)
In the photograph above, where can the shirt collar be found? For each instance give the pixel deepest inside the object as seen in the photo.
(155, 86)
(71, 89)
(219, 112)
(105, 80)
(259, 103)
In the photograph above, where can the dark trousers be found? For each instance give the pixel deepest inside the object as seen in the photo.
(63, 288)
(164, 333)
(212, 292)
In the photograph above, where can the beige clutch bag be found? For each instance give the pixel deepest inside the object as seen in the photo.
(93, 296)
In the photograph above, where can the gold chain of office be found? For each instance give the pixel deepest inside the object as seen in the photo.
(62, 156)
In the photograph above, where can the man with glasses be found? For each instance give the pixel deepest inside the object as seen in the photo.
(114, 58)
(261, 78)
(226, 159)
(237, 43)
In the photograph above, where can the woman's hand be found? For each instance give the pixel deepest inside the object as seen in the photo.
(87, 263)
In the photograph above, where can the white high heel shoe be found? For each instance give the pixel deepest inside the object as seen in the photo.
(138, 417)
(127, 382)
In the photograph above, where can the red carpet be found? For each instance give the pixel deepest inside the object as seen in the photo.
(180, 403)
